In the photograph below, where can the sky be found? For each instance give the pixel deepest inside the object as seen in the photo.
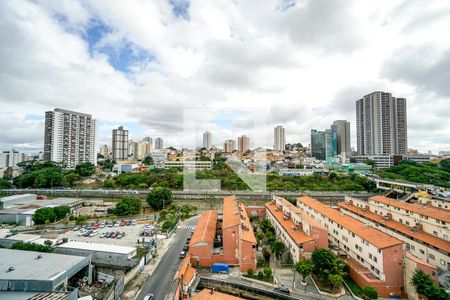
(147, 64)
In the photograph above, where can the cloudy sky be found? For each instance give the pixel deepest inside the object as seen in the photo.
(143, 64)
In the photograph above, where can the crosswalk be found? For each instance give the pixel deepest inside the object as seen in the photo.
(190, 227)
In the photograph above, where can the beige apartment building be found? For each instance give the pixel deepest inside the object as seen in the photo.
(421, 227)
(375, 258)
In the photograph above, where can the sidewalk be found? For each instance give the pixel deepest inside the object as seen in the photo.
(131, 290)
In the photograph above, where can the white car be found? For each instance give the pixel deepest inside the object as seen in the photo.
(149, 297)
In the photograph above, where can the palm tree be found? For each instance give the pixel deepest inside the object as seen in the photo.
(277, 248)
(304, 267)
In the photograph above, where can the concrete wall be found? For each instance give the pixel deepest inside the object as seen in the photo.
(100, 258)
(248, 256)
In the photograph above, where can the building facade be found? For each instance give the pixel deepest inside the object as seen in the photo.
(243, 143)
(104, 150)
(10, 158)
(120, 144)
(279, 138)
(299, 232)
(343, 137)
(207, 140)
(323, 144)
(381, 124)
(375, 258)
(229, 146)
(69, 138)
(159, 143)
(423, 228)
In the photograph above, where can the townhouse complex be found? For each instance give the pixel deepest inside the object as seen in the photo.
(375, 258)
(422, 227)
(383, 240)
(226, 238)
(298, 231)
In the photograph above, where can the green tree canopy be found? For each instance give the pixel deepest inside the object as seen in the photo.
(424, 285)
(32, 247)
(44, 215)
(61, 211)
(4, 184)
(370, 292)
(128, 205)
(159, 197)
(305, 268)
(85, 169)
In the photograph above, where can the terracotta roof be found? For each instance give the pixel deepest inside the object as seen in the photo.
(418, 260)
(404, 229)
(205, 231)
(247, 235)
(375, 237)
(299, 212)
(416, 208)
(231, 215)
(206, 294)
(186, 270)
(297, 235)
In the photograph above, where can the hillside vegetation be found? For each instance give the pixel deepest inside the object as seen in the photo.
(428, 173)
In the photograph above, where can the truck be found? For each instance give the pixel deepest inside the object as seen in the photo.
(220, 268)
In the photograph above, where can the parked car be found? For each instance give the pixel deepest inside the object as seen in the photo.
(120, 235)
(109, 224)
(78, 227)
(122, 223)
(185, 248)
(117, 224)
(115, 234)
(149, 297)
(93, 233)
(109, 234)
(128, 223)
(182, 254)
(283, 290)
(134, 222)
(103, 234)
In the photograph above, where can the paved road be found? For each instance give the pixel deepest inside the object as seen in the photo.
(162, 277)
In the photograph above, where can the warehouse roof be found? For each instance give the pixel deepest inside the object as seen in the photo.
(30, 265)
(98, 247)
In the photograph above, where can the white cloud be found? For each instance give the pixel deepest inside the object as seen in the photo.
(306, 65)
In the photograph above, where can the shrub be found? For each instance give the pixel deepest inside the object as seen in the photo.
(250, 272)
(370, 292)
(260, 275)
(267, 272)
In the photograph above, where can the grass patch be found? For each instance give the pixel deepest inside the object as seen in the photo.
(268, 279)
(356, 289)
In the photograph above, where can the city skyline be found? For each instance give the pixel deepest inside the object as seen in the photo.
(100, 62)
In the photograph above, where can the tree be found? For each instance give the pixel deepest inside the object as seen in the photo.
(336, 280)
(4, 184)
(61, 211)
(250, 272)
(109, 184)
(142, 250)
(128, 205)
(424, 285)
(85, 169)
(32, 247)
(323, 261)
(71, 178)
(370, 292)
(44, 215)
(81, 220)
(48, 243)
(305, 268)
(445, 164)
(148, 160)
(277, 248)
(159, 197)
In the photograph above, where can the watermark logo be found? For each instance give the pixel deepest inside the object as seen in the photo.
(250, 167)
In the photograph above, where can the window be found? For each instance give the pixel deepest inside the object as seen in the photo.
(442, 262)
(370, 255)
(413, 247)
(421, 251)
(435, 232)
(445, 237)
(431, 256)
(407, 222)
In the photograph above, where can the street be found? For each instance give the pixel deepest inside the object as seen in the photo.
(159, 282)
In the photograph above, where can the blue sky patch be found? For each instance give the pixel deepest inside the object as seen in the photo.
(180, 8)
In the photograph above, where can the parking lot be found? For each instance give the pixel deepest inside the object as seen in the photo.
(129, 239)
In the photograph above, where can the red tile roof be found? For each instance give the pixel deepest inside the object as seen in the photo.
(404, 229)
(231, 215)
(206, 294)
(205, 231)
(186, 270)
(375, 237)
(247, 232)
(302, 214)
(297, 235)
(416, 208)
